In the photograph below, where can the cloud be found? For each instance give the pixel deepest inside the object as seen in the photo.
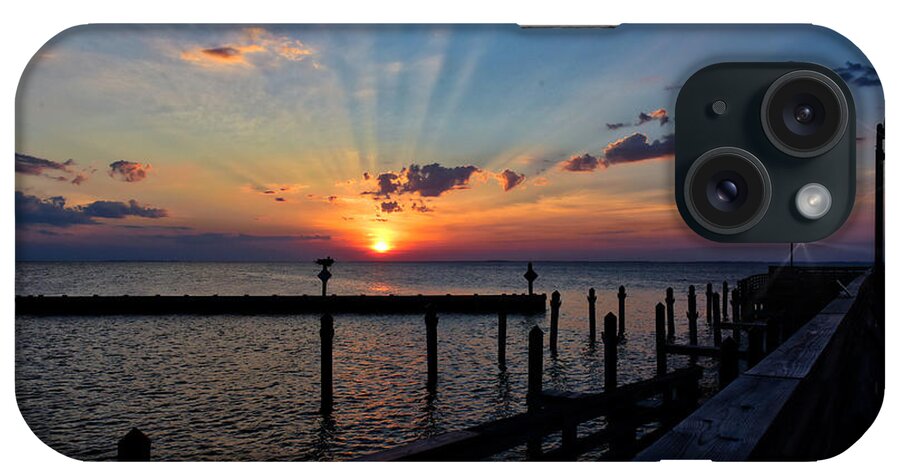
(581, 163)
(658, 115)
(422, 207)
(430, 180)
(391, 207)
(128, 171)
(59, 171)
(53, 211)
(509, 179)
(858, 74)
(280, 199)
(214, 238)
(637, 147)
(256, 45)
(615, 125)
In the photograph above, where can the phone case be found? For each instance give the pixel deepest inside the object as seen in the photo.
(420, 242)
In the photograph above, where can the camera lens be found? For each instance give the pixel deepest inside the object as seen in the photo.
(727, 190)
(804, 113)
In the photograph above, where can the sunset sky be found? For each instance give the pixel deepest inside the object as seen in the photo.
(390, 142)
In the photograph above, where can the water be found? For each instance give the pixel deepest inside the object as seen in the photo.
(246, 388)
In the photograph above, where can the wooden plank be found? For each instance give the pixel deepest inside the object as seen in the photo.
(729, 425)
(796, 356)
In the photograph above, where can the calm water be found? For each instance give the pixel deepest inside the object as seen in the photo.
(246, 388)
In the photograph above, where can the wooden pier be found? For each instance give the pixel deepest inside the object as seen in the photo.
(281, 305)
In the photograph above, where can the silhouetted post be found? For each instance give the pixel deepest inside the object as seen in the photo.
(728, 362)
(622, 297)
(326, 335)
(530, 276)
(134, 446)
(535, 368)
(610, 353)
(773, 335)
(717, 320)
(724, 300)
(709, 303)
(535, 383)
(692, 315)
(735, 317)
(661, 366)
(555, 302)
(325, 275)
(592, 315)
(670, 313)
(501, 339)
(431, 322)
(754, 346)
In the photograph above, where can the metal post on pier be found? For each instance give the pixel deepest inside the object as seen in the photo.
(555, 303)
(692, 315)
(431, 322)
(592, 315)
(670, 313)
(610, 353)
(621, 295)
(661, 365)
(501, 339)
(717, 320)
(134, 446)
(326, 336)
(325, 274)
(530, 276)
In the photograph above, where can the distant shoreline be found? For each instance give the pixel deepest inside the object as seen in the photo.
(773, 263)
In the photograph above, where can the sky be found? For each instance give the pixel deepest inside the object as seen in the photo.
(385, 142)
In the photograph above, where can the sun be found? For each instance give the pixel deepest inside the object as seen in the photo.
(381, 247)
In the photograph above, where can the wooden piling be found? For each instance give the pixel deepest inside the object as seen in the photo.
(735, 316)
(709, 293)
(728, 362)
(431, 322)
(592, 315)
(724, 300)
(670, 313)
(661, 366)
(535, 368)
(326, 337)
(622, 297)
(692, 315)
(754, 346)
(717, 320)
(134, 446)
(610, 352)
(501, 339)
(555, 302)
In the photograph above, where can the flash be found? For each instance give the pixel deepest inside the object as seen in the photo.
(813, 201)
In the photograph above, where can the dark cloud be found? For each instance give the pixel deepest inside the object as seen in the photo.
(155, 227)
(425, 180)
(53, 211)
(59, 171)
(509, 179)
(280, 199)
(858, 74)
(206, 239)
(422, 207)
(615, 125)
(224, 52)
(108, 209)
(581, 163)
(128, 171)
(658, 115)
(637, 147)
(434, 179)
(391, 207)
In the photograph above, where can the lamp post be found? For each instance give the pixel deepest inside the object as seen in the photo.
(325, 275)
